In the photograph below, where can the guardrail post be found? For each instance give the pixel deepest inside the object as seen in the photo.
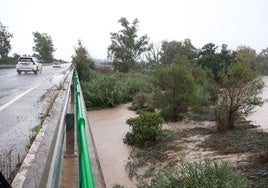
(70, 134)
(72, 92)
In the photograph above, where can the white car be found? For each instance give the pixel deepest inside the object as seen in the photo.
(56, 65)
(28, 64)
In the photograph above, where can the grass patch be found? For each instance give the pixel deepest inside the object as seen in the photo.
(34, 131)
(204, 173)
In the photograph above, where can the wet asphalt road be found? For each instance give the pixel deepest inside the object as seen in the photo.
(23, 100)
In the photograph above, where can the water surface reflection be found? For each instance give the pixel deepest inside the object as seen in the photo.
(260, 117)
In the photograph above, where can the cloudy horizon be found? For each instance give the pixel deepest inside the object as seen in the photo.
(235, 23)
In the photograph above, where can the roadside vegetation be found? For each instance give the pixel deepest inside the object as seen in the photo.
(180, 82)
(169, 82)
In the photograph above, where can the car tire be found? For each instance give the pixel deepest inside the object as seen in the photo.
(35, 72)
(19, 72)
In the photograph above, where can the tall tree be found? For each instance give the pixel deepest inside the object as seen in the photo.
(44, 47)
(153, 56)
(247, 54)
(176, 89)
(208, 58)
(126, 47)
(240, 89)
(226, 56)
(5, 37)
(169, 51)
(262, 61)
(83, 62)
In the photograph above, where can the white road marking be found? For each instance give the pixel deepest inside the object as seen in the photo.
(22, 94)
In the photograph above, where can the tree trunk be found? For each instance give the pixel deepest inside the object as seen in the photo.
(230, 121)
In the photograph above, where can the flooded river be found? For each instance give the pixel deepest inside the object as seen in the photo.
(109, 128)
(260, 117)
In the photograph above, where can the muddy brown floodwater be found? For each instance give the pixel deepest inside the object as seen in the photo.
(260, 117)
(109, 128)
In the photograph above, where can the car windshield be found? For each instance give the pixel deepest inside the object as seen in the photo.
(25, 59)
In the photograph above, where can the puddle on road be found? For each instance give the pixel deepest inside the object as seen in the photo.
(109, 128)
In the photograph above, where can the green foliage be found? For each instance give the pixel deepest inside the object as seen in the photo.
(262, 61)
(83, 63)
(247, 55)
(169, 51)
(205, 93)
(142, 102)
(102, 91)
(215, 61)
(9, 60)
(176, 90)
(240, 89)
(126, 47)
(205, 174)
(209, 59)
(145, 129)
(110, 90)
(5, 37)
(44, 47)
(153, 56)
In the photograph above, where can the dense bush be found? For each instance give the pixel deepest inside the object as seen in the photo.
(176, 91)
(9, 60)
(145, 129)
(110, 90)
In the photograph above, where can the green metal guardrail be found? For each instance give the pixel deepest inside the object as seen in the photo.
(85, 171)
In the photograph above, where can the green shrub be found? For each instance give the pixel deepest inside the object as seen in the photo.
(145, 129)
(142, 102)
(205, 174)
(109, 90)
(175, 91)
(102, 91)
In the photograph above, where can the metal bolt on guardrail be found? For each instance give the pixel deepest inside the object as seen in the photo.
(85, 171)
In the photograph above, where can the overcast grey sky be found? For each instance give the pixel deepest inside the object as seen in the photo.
(233, 22)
